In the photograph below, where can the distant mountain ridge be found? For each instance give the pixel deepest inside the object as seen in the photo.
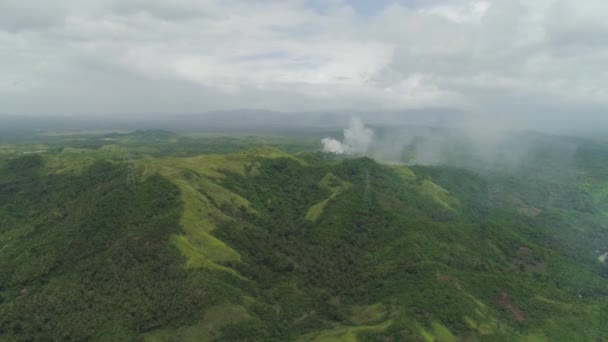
(234, 120)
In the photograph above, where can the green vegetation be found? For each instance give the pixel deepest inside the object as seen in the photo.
(343, 334)
(335, 186)
(368, 313)
(206, 329)
(211, 242)
(438, 194)
(405, 172)
(84, 257)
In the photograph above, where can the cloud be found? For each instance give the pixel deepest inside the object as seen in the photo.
(501, 59)
(17, 16)
(473, 11)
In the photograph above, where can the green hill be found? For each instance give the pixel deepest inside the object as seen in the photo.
(263, 245)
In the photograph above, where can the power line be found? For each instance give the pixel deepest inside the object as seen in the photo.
(131, 179)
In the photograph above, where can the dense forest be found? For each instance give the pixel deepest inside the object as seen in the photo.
(152, 236)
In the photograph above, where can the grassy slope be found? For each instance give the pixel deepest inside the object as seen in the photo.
(206, 329)
(207, 204)
(343, 334)
(335, 186)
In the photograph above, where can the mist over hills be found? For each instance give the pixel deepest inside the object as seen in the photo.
(425, 136)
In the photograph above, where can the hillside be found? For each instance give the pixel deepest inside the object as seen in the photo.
(131, 240)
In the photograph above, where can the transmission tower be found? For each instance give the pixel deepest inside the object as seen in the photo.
(366, 193)
(131, 179)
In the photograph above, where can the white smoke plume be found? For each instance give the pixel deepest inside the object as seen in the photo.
(331, 145)
(357, 140)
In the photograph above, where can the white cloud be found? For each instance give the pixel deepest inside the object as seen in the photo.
(100, 56)
(460, 13)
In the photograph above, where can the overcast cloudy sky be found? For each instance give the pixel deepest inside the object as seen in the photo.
(524, 59)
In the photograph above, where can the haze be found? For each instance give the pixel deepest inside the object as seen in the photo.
(527, 64)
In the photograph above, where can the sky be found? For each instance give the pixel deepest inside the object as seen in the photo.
(520, 62)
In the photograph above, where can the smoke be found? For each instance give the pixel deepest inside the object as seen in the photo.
(331, 145)
(357, 140)
(469, 144)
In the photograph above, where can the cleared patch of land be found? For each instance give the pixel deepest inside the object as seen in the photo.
(332, 184)
(206, 204)
(206, 329)
(438, 194)
(404, 172)
(438, 333)
(368, 314)
(343, 333)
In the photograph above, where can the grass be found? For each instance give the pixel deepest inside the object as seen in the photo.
(442, 333)
(438, 194)
(368, 314)
(343, 333)
(195, 258)
(484, 328)
(332, 184)
(205, 201)
(537, 337)
(264, 152)
(215, 166)
(206, 329)
(404, 172)
(438, 333)
(200, 217)
(554, 302)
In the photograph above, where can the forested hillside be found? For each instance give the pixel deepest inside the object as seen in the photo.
(153, 239)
